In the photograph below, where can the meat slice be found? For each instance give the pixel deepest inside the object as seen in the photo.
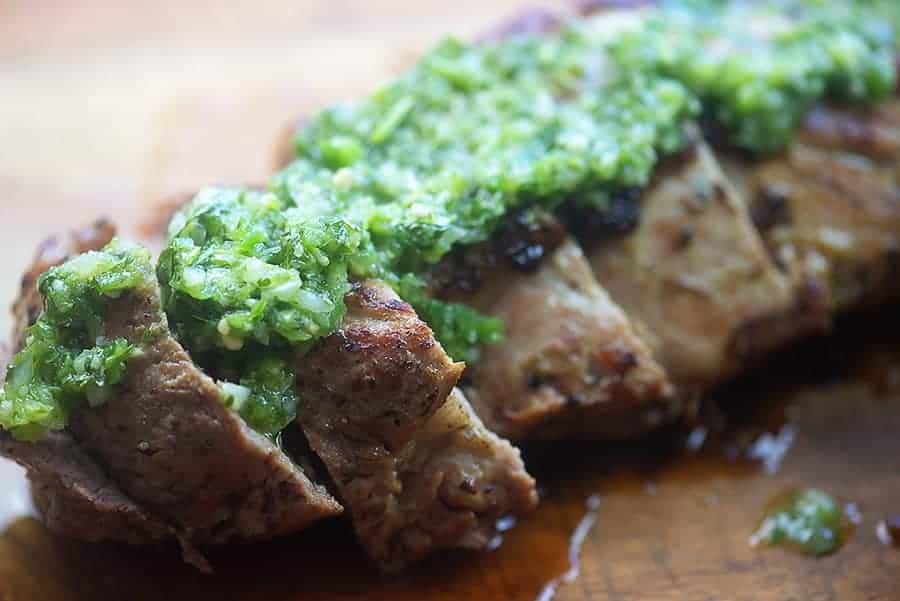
(415, 467)
(165, 439)
(71, 492)
(696, 274)
(74, 496)
(571, 363)
(170, 443)
(52, 251)
(829, 206)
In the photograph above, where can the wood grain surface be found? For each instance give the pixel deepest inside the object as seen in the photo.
(109, 107)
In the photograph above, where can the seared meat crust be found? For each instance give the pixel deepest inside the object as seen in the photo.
(416, 469)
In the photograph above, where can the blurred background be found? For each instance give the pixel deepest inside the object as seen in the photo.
(108, 107)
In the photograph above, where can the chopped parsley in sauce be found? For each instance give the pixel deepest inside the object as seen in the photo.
(66, 362)
(759, 66)
(265, 397)
(810, 521)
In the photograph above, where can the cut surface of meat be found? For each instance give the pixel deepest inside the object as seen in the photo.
(166, 438)
(414, 466)
(696, 274)
(74, 496)
(571, 363)
(829, 205)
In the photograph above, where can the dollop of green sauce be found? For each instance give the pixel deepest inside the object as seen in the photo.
(244, 267)
(66, 362)
(809, 520)
(265, 397)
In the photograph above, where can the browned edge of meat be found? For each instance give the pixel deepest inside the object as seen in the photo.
(571, 364)
(696, 275)
(166, 438)
(416, 469)
(828, 207)
(518, 248)
(52, 251)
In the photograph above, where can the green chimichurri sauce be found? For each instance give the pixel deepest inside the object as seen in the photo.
(65, 361)
(439, 158)
(243, 267)
(265, 397)
(810, 521)
(758, 66)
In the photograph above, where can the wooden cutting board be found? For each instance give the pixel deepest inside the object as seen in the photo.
(108, 107)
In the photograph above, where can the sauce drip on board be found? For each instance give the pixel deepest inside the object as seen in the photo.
(673, 524)
(808, 521)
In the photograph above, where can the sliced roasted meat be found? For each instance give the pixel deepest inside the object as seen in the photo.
(76, 498)
(571, 363)
(52, 251)
(829, 206)
(71, 492)
(696, 275)
(416, 469)
(167, 439)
